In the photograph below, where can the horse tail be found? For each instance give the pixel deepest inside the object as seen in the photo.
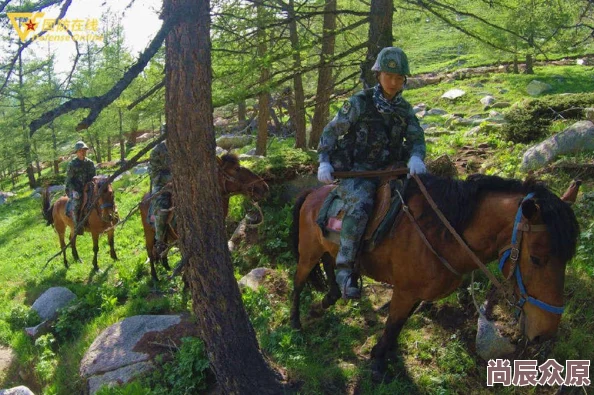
(46, 208)
(316, 276)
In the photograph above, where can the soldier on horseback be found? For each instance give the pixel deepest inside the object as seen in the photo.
(80, 171)
(160, 173)
(374, 129)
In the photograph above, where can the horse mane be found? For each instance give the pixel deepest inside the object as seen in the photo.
(459, 199)
(232, 159)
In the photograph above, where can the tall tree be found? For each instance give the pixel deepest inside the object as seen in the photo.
(380, 36)
(325, 81)
(300, 138)
(224, 325)
(23, 117)
(263, 97)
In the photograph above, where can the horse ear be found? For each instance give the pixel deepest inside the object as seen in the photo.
(530, 209)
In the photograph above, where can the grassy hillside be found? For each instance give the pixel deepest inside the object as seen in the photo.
(331, 354)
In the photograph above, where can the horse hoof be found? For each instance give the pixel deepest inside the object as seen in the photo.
(296, 324)
(316, 311)
(378, 371)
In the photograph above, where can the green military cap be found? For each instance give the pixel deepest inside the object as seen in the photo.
(80, 145)
(392, 60)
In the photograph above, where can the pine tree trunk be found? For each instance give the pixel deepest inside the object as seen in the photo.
(299, 121)
(223, 323)
(55, 150)
(26, 138)
(325, 81)
(122, 140)
(263, 101)
(380, 36)
(241, 114)
(108, 148)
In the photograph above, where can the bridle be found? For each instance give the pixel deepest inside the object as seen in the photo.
(511, 252)
(247, 188)
(97, 187)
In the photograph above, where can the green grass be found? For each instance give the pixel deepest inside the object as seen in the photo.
(331, 353)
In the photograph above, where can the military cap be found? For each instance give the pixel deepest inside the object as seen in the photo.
(392, 60)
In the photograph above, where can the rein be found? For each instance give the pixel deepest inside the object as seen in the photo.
(244, 187)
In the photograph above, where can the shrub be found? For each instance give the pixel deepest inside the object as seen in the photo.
(530, 121)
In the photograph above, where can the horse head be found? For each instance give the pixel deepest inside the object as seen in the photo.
(106, 201)
(544, 239)
(236, 179)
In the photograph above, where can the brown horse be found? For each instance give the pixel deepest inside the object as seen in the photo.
(484, 210)
(233, 179)
(103, 216)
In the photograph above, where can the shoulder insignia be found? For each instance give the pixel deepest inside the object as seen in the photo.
(346, 107)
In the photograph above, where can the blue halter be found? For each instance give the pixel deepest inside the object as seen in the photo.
(514, 254)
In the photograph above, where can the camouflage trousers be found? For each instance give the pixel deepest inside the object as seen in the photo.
(158, 213)
(358, 195)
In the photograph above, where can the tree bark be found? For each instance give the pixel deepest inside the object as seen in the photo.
(26, 139)
(241, 114)
(325, 81)
(122, 140)
(223, 323)
(263, 101)
(300, 138)
(380, 36)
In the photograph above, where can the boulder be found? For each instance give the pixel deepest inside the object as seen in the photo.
(255, 278)
(56, 188)
(128, 348)
(589, 113)
(50, 301)
(486, 101)
(576, 138)
(140, 170)
(419, 107)
(436, 111)
(489, 342)
(535, 88)
(453, 94)
(20, 390)
(501, 104)
(229, 141)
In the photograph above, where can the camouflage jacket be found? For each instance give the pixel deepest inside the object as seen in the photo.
(360, 138)
(78, 174)
(160, 166)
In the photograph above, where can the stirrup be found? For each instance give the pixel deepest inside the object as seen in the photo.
(347, 290)
(159, 248)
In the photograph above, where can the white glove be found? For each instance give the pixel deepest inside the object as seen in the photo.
(325, 171)
(416, 166)
(75, 195)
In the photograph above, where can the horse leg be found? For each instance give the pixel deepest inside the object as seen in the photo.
(401, 306)
(110, 240)
(95, 250)
(73, 245)
(63, 247)
(334, 293)
(304, 267)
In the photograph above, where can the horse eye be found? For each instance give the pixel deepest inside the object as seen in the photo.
(535, 260)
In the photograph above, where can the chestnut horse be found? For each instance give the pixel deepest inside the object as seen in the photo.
(103, 216)
(487, 212)
(233, 179)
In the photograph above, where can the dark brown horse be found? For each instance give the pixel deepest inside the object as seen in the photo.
(233, 179)
(102, 217)
(484, 210)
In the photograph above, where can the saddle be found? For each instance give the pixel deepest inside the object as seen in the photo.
(386, 213)
(85, 206)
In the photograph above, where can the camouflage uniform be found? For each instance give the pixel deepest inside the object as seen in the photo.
(359, 138)
(160, 173)
(78, 174)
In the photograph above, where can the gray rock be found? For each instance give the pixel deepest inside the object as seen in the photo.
(419, 107)
(118, 377)
(589, 113)
(36, 195)
(255, 278)
(436, 111)
(421, 114)
(247, 156)
(251, 152)
(473, 132)
(219, 151)
(112, 349)
(487, 100)
(501, 104)
(453, 94)
(576, 138)
(121, 352)
(56, 188)
(535, 88)
(229, 141)
(51, 300)
(489, 343)
(124, 174)
(20, 390)
(39, 330)
(140, 170)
